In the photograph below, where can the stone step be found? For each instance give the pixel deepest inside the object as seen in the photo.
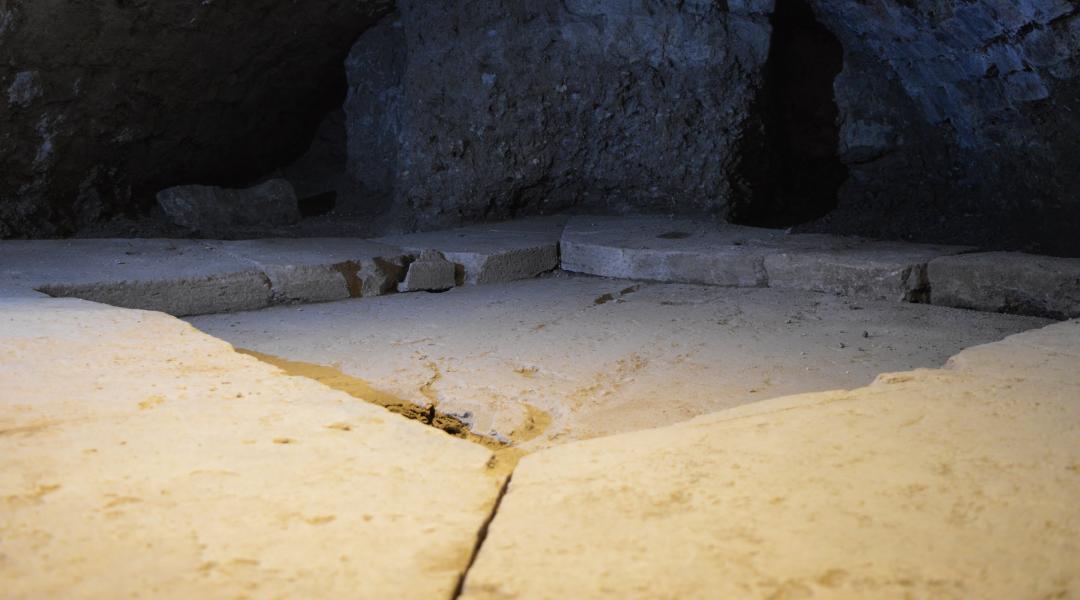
(179, 277)
(139, 456)
(864, 269)
(1010, 282)
(687, 251)
(189, 277)
(960, 481)
(667, 250)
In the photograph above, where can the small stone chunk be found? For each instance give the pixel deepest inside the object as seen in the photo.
(429, 273)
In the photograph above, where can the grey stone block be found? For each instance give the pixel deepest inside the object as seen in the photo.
(676, 250)
(1010, 282)
(874, 270)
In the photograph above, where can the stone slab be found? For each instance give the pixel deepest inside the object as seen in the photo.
(139, 457)
(322, 269)
(866, 269)
(958, 483)
(1010, 282)
(677, 250)
(179, 277)
(493, 253)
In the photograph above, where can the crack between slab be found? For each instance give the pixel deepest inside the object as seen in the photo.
(481, 537)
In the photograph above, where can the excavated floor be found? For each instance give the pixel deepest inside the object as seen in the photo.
(539, 362)
(141, 456)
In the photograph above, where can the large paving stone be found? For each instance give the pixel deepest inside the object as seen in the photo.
(676, 250)
(493, 253)
(867, 269)
(323, 269)
(179, 277)
(1008, 282)
(141, 458)
(937, 483)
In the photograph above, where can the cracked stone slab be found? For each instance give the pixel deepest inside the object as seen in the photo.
(958, 482)
(677, 250)
(141, 457)
(493, 253)
(1010, 282)
(179, 277)
(323, 269)
(866, 269)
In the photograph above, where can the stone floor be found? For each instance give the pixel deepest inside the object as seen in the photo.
(142, 456)
(568, 357)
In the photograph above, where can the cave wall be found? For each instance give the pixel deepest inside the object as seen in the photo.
(103, 103)
(960, 121)
(506, 107)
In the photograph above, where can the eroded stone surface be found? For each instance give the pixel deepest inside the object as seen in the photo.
(139, 456)
(1008, 282)
(431, 272)
(322, 270)
(493, 253)
(607, 105)
(944, 483)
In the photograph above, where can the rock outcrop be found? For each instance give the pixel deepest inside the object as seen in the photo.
(102, 104)
(469, 111)
(960, 121)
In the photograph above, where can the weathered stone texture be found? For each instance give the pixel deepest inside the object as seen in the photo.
(504, 108)
(102, 104)
(960, 121)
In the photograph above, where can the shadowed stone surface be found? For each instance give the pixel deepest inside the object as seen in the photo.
(500, 109)
(209, 210)
(103, 104)
(1008, 282)
(880, 270)
(960, 121)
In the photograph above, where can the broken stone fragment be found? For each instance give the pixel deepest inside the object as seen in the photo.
(209, 209)
(429, 273)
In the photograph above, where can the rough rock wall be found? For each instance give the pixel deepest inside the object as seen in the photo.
(507, 107)
(104, 103)
(960, 120)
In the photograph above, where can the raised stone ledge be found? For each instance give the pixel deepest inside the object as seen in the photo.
(685, 251)
(1010, 282)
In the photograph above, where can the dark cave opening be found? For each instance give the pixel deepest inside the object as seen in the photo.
(792, 171)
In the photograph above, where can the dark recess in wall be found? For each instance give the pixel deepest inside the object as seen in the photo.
(792, 172)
